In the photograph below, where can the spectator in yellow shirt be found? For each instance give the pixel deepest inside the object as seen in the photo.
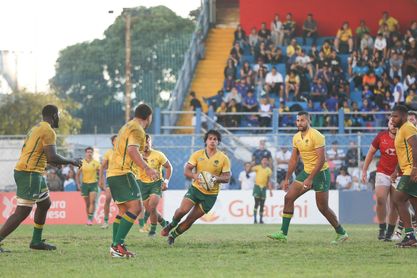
(344, 36)
(391, 22)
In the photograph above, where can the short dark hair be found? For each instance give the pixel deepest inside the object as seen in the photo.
(412, 112)
(303, 113)
(88, 148)
(49, 110)
(143, 111)
(213, 132)
(192, 94)
(112, 138)
(400, 108)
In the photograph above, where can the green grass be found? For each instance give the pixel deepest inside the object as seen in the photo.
(209, 251)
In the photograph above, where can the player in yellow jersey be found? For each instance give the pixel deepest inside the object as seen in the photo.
(89, 184)
(406, 148)
(198, 200)
(310, 145)
(152, 190)
(262, 181)
(124, 189)
(38, 149)
(102, 182)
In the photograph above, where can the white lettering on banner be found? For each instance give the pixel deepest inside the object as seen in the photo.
(236, 207)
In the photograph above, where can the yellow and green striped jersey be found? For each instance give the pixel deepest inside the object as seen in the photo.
(403, 149)
(89, 171)
(155, 160)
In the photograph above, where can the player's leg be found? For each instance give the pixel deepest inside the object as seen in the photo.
(255, 210)
(14, 220)
(186, 205)
(392, 216)
(261, 205)
(41, 211)
(106, 208)
(91, 206)
(193, 216)
(152, 204)
(382, 190)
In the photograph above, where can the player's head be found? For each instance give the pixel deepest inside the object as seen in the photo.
(399, 115)
(50, 114)
(303, 121)
(144, 113)
(412, 117)
(148, 145)
(264, 161)
(391, 128)
(89, 152)
(212, 138)
(113, 139)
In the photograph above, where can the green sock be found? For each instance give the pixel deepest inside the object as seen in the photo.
(1, 238)
(125, 224)
(90, 216)
(141, 222)
(255, 212)
(286, 219)
(174, 222)
(116, 224)
(153, 228)
(408, 230)
(37, 233)
(146, 216)
(339, 229)
(161, 221)
(175, 233)
(106, 219)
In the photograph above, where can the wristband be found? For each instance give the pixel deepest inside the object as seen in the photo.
(166, 181)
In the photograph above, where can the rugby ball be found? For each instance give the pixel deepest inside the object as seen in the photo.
(206, 180)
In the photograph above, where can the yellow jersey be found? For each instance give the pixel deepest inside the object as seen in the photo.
(131, 134)
(108, 154)
(155, 160)
(344, 35)
(216, 165)
(391, 22)
(262, 175)
(403, 149)
(307, 148)
(32, 157)
(89, 171)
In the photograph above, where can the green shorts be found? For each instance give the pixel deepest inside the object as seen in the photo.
(151, 188)
(321, 182)
(407, 186)
(124, 188)
(87, 188)
(259, 192)
(31, 186)
(205, 201)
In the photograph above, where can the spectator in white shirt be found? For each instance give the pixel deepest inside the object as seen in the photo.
(398, 91)
(303, 62)
(247, 178)
(282, 158)
(277, 32)
(380, 45)
(274, 82)
(343, 180)
(336, 155)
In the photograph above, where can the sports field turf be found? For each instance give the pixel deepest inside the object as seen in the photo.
(209, 251)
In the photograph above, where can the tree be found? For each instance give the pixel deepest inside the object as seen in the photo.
(20, 111)
(93, 73)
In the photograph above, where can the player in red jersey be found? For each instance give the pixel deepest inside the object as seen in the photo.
(384, 142)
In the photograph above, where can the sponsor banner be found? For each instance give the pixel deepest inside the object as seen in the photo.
(66, 208)
(236, 207)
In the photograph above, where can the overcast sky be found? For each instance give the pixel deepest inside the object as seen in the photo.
(42, 27)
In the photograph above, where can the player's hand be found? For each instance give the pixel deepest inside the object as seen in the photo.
(164, 186)
(78, 162)
(413, 175)
(151, 173)
(101, 184)
(394, 176)
(284, 185)
(364, 177)
(307, 184)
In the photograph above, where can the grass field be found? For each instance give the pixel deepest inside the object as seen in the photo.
(209, 251)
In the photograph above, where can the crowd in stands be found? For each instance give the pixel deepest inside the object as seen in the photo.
(61, 179)
(359, 71)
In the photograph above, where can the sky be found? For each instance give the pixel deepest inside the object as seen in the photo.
(37, 30)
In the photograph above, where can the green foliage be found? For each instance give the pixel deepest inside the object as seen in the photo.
(93, 73)
(20, 111)
(209, 251)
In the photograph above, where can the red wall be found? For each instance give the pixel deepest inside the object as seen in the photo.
(328, 14)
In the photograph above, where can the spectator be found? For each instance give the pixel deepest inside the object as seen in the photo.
(230, 70)
(336, 155)
(390, 22)
(310, 29)
(292, 48)
(194, 102)
(367, 93)
(277, 57)
(352, 157)
(411, 99)
(398, 91)
(69, 183)
(289, 28)
(53, 181)
(260, 153)
(221, 114)
(264, 34)
(234, 94)
(250, 104)
(253, 40)
(233, 120)
(379, 94)
(343, 180)
(327, 49)
(361, 31)
(265, 110)
(247, 178)
(240, 36)
(274, 82)
(369, 79)
(359, 72)
(380, 45)
(262, 53)
(367, 107)
(292, 84)
(282, 158)
(277, 32)
(237, 53)
(228, 84)
(318, 91)
(344, 37)
(410, 57)
(303, 63)
(216, 100)
(352, 61)
(396, 64)
(366, 42)
(245, 71)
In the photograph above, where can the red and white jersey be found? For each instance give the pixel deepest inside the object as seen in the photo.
(385, 144)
